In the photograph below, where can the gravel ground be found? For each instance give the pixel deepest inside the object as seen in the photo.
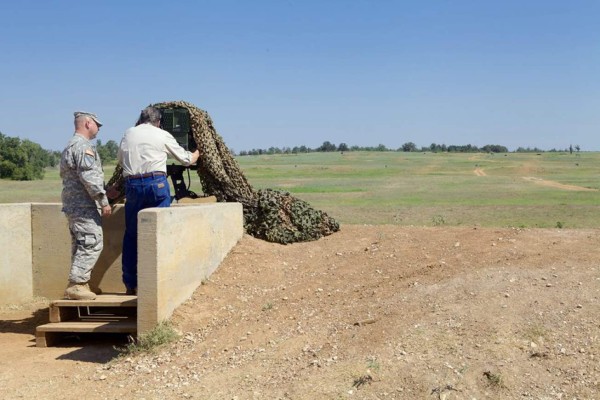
(370, 312)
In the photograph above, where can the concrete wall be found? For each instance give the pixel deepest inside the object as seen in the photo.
(51, 251)
(15, 253)
(178, 248)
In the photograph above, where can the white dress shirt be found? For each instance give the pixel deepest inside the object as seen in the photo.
(145, 148)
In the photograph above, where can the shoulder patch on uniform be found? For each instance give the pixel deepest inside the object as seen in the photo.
(90, 152)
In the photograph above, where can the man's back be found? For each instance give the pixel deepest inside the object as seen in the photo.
(144, 148)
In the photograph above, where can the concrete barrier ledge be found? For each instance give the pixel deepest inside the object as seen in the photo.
(178, 248)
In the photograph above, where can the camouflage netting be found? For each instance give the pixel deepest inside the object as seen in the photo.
(271, 215)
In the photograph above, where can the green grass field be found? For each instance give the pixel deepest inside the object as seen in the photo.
(423, 189)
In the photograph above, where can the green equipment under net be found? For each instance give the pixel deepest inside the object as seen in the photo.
(271, 215)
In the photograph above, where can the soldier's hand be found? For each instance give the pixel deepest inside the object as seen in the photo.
(106, 211)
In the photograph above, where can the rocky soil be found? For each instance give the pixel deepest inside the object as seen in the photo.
(371, 312)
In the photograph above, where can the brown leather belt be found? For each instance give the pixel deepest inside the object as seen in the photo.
(146, 175)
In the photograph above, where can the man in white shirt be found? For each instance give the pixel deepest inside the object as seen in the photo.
(143, 155)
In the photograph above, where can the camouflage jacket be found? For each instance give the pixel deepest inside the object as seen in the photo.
(82, 176)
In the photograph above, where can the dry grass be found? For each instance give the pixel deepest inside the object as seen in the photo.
(420, 189)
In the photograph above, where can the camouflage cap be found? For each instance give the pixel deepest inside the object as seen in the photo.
(93, 116)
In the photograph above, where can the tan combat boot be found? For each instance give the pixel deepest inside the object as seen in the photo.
(79, 291)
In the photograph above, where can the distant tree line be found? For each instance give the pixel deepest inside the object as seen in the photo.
(24, 160)
(325, 147)
(406, 147)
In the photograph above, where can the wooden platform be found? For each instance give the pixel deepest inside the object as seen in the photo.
(108, 313)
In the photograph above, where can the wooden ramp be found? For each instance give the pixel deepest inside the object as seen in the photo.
(108, 313)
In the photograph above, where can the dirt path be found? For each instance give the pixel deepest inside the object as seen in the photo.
(371, 312)
(479, 172)
(557, 185)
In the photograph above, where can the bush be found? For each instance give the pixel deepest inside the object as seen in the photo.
(161, 334)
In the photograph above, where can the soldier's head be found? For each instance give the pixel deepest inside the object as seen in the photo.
(86, 124)
(149, 115)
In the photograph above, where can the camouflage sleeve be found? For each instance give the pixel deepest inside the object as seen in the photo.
(90, 173)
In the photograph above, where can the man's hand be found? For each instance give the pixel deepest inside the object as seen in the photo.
(106, 211)
(195, 156)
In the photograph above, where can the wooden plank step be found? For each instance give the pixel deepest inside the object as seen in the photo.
(125, 326)
(102, 300)
(46, 335)
(65, 314)
(115, 304)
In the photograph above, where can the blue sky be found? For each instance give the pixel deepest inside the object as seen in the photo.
(286, 73)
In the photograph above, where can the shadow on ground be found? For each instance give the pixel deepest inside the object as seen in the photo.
(87, 347)
(93, 347)
(26, 325)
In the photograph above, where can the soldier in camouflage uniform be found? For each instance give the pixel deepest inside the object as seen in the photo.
(84, 203)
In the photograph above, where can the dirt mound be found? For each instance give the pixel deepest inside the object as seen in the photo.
(370, 312)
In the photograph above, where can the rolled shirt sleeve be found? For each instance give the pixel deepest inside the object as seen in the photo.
(178, 152)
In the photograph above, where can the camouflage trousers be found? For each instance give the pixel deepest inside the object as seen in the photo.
(85, 226)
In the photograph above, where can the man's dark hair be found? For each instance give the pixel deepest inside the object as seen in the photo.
(149, 115)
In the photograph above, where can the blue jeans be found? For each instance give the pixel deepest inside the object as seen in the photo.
(153, 191)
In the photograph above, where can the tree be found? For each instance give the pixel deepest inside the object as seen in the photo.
(327, 146)
(22, 160)
(494, 148)
(107, 152)
(343, 147)
(409, 146)
(53, 157)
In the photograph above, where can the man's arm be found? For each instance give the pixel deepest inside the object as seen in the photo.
(182, 155)
(91, 176)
